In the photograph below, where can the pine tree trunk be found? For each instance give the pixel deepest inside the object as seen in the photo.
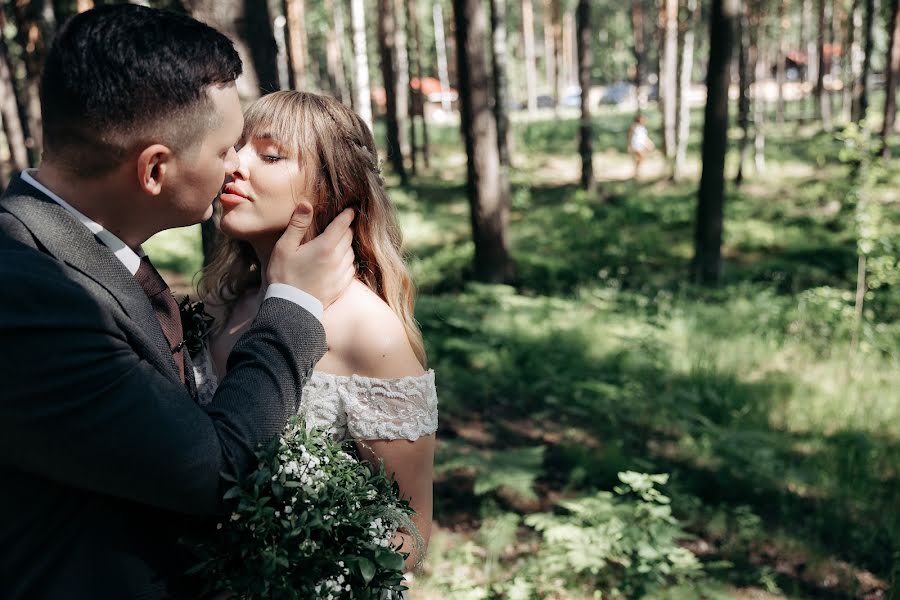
(892, 79)
(334, 47)
(853, 65)
(861, 97)
(551, 49)
(363, 103)
(638, 48)
(400, 47)
(530, 62)
(585, 64)
(488, 198)
(295, 12)
(760, 71)
(440, 43)
(36, 26)
(743, 116)
(9, 111)
(414, 74)
(684, 85)
(823, 104)
(501, 94)
(346, 61)
(668, 84)
(707, 263)
(248, 24)
(781, 67)
(418, 98)
(387, 39)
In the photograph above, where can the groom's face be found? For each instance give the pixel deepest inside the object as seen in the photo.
(200, 172)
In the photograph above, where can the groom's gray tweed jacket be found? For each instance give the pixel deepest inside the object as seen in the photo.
(105, 457)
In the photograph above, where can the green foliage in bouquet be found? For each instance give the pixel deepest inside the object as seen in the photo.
(310, 522)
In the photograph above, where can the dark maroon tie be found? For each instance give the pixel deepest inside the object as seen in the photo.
(165, 307)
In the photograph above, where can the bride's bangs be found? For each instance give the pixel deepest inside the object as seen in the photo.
(278, 116)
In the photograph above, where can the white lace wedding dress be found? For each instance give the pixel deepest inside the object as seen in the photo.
(354, 407)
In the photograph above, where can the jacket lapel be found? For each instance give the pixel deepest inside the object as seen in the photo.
(65, 238)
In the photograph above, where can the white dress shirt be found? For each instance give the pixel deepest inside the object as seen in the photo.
(132, 259)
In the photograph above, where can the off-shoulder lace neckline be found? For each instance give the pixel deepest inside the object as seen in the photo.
(426, 376)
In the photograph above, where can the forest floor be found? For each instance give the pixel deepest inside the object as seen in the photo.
(780, 439)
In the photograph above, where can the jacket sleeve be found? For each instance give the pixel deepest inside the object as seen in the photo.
(79, 406)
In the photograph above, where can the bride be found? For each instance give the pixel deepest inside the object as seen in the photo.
(371, 385)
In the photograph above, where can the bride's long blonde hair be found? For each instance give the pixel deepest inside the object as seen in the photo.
(334, 142)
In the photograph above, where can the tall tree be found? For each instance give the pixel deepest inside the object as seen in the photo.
(440, 44)
(585, 64)
(853, 64)
(403, 78)
(298, 44)
(248, 23)
(501, 94)
(861, 89)
(780, 63)
(707, 262)
(668, 76)
(9, 111)
(36, 26)
(638, 47)
(363, 102)
(334, 52)
(686, 67)
(892, 79)
(823, 101)
(415, 73)
(552, 43)
(488, 198)
(419, 97)
(387, 41)
(530, 61)
(760, 41)
(744, 81)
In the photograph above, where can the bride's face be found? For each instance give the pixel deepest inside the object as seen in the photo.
(260, 196)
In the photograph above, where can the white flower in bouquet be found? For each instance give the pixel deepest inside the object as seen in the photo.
(310, 522)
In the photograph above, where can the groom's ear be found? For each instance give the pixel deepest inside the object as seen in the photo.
(152, 165)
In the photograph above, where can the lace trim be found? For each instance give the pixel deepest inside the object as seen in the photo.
(365, 408)
(353, 406)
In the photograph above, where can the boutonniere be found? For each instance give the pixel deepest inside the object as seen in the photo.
(196, 324)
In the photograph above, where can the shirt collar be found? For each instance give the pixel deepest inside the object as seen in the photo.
(127, 256)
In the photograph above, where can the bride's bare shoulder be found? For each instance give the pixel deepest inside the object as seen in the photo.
(368, 337)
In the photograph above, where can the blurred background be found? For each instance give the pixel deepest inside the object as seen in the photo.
(677, 382)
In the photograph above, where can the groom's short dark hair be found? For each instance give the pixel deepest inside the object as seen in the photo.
(119, 77)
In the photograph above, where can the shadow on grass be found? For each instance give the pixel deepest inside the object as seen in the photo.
(602, 408)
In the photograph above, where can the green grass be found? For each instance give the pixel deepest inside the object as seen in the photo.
(781, 443)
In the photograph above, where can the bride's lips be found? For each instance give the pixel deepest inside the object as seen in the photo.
(232, 196)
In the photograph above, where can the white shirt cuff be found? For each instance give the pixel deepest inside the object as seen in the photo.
(297, 296)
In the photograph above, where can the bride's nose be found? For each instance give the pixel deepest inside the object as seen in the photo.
(241, 170)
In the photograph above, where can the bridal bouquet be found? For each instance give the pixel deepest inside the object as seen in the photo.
(311, 522)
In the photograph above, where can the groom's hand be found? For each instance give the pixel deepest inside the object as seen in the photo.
(323, 266)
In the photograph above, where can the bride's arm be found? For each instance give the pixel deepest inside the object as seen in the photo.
(412, 465)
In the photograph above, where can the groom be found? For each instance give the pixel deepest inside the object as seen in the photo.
(105, 457)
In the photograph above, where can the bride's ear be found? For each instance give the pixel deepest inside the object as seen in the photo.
(307, 213)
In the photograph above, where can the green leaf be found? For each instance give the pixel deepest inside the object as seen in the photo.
(366, 569)
(232, 493)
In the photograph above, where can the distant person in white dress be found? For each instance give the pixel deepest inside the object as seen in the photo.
(639, 142)
(371, 386)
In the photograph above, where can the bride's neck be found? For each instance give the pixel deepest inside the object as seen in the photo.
(263, 250)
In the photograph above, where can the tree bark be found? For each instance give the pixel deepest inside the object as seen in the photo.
(891, 80)
(9, 111)
(853, 64)
(334, 52)
(638, 48)
(415, 73)
(363, 103)
(743, 116)
(501, 94)
(552, 43)
(707, 263)
(400, 48)
(387, 39)
(861, 95)
(780, 67)
(823, 103)
(668, 79)
(530, 63)
(488, 198)
(346, 59)
(418, 98)
(36, 26)
(760, 70)
(440, 43)
(295, 12)
(812, 53)
(684, 86)
(585, 64)
(248, 24)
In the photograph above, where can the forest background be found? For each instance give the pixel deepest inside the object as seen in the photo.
(678, 385)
